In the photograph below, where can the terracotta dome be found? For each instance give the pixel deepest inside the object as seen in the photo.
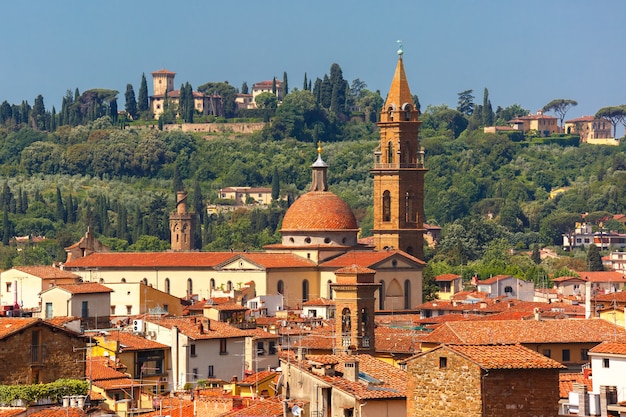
(316, 211)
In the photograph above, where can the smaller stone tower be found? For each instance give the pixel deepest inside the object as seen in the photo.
(354, 301)
(181, 225)
(162, 80)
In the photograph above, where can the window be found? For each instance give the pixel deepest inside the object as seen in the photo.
(381, 295)
(305, 291)
(330, 289)
(8, 287)
(605, 363)
(192, 350)
(145, 281)
(280, 286)
(443, 362)
(508, 290)
(195, 373)
(386, 206)
(229, 286)
(112, 310)
(211, 372)
(272, 347)
(546, 353)
(212, 283)
(166, 307)
(129, 310)
(584, 354)
(260, 348)
(189, 287)
(35, 348)
(407, 294)
(223, 350)
(167, 285)
(49, 310)
(390, 153)
(566, 355)
(84, 310)
(346, 325)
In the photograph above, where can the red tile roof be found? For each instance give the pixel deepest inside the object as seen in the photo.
(615, 348)
(11, 325)
(59, 412)
(318, 211)
(596, 276)
(447, 277)
(192, 326)
(319, 302)
(262, 408)
(133, 342)
(12, 412)
(525, 331)
(493, 280)
(567, 380)
(368, 259)
(83, 288)
(46, 272)
(391, 380)
(504, 356)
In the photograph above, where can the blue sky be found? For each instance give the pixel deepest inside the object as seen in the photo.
(526, 52)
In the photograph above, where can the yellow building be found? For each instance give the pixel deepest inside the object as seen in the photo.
(589, 128)
(540, 123)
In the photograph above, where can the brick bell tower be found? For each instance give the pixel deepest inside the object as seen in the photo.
(355, 297)
(399, 172)
(181, 225)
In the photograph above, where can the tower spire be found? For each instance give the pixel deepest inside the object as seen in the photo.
(320, 172)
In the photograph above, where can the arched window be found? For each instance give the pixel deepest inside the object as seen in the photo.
(123, 280)
(212, 283)
(167, 285)
(145, 281)
(381, 295)
(390, 113)
(280, 287)
(101, 281)
(346, 325)
(363, 326)
(407, 113)
(330, 289)
(229, 286)
(189, 287)
(389, 153)
(386, 206)
(407, 294)
(305, 291)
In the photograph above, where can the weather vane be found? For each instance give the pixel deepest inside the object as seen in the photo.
(400, 50)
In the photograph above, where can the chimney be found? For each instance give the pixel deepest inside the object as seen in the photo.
(206, 322)
(351, 370)
(537, 313)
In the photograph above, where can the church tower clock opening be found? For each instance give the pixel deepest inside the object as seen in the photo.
(399, 172)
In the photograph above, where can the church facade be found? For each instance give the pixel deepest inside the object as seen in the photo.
(319, 234)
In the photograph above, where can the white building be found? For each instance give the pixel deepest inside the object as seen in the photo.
(608, 366)
(507, 286)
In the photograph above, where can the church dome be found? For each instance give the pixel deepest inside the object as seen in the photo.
(319, 211)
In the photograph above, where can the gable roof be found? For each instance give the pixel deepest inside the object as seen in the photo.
(447, 277)
(493, 280)
(46, 272)
(525, 331)
(369, 259)
(12, 325)
(132, 342)
(81, 288)
(196, 329)
(613, 348)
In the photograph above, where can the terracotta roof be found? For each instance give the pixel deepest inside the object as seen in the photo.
(447, 277)
(567, 380)
(11, 325)
(46, 272)
(82, 288)
(391, 381)
(261, 334)
(319, 211)
(133, 342)
(493, 280)
(525, 331)
(367, 259)
(619, 296)
(615, 348)
(354, 269)
(192, 326)
(227, 307)
(259, 376)
(581, 119)
(59, 412)
(399, 92)
(186, 260)
(163, 71)
(505, 357)
(596, 276)
(271, 407)
(324, 302)
(12, 412)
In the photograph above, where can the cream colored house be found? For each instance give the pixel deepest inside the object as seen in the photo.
(24, 283)
(267, 87)
(134, 298)
(240, 195)
(590, 129)
(87, 300)
(540, 123)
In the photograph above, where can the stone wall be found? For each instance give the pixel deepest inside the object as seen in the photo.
(55, 357)
(462, 388)
(215, 127)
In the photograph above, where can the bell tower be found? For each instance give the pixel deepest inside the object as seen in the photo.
(399, 172)
(181, 225)
(355, 302)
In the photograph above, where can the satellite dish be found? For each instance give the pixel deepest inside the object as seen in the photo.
(296, 411)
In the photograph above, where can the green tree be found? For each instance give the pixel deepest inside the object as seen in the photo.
(466, 102)
(142, 100)
(285, 85)
(244, 88)
(131, 104)
(60, 212)
(536, 255)
(305, 84)
(38, 114)
(275, 185)
(488, 115)
(614, 114)
(594, 259)
(266, 100)
(228, 93)
(149, 243)
(560, 107)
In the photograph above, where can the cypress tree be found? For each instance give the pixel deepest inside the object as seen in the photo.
(536, 255)
(60, 212)
(6, 228)
(142, 100)
(274, 85)
(326, 92)
(594, 260)
(285, 84)
(305, 85)
(131, 103)
(487, 110)
(244, 88)
(275, 185)
(113, 110)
